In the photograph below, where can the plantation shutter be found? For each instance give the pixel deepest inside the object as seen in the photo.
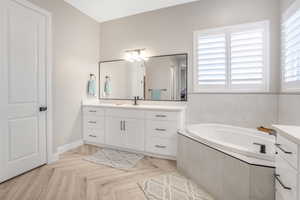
(291, 50)
(247, 57)
(211, 59)
(232, 59)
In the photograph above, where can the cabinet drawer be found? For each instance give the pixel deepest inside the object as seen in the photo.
(94, 135)
(162, 129)
(126, 113)
(161, 146)
(279, 196)
(160, 115)
(286, 180)
(94, 122)
(287, 150)
(93, 111)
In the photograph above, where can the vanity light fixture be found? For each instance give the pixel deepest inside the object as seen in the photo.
(136, 55)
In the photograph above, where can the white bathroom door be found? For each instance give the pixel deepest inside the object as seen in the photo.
(23, 89)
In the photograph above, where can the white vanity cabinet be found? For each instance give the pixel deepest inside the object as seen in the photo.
(287, 164)
(125, 132)
(93, 124)
(161, 132)
(151, 130)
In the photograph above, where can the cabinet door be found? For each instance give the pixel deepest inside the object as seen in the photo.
(135, 134)
(113, 133)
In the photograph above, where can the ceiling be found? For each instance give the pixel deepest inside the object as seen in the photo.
(105, 10)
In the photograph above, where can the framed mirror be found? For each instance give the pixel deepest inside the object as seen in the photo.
(160, 78)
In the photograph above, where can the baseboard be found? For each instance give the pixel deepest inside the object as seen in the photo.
(53, 158)
(132, 151)
(68, 147)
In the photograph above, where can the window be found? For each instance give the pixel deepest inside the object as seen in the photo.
(291, 53)
(232, 59)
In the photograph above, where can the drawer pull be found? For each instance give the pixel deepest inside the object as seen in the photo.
(92, 111)
(160, 115)
(160, 129)
(92, 122)
(160, 146)
(283, 150)
(277, 177)
(94, 136)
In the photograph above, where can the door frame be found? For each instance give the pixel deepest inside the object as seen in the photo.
(50, 154)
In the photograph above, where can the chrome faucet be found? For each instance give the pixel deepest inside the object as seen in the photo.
(262, 147)
(136, 98)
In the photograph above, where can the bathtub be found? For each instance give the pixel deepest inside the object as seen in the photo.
(233, 139)
(224, 161)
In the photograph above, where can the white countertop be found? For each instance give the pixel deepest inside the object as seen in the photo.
(131, 106)
(290, 132)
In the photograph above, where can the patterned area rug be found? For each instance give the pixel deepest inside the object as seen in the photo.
(115, 158)
(172, 187)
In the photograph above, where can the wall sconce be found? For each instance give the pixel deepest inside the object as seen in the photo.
(136, 55)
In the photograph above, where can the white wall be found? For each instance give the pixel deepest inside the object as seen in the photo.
(119, 80)
(285, 4)
(170, 30)
(76, 55)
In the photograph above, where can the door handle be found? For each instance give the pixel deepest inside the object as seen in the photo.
(124, 125)
(121, 125)
(277, 177)
(160, 146)
(160, 129)
(94, 136)
(43, 108)
(283, 150)
(160, 115)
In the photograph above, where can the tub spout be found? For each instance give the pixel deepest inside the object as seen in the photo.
(267, 130)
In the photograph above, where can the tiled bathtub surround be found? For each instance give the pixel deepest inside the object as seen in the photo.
(289, 109)
(225, 177)
(245, 110)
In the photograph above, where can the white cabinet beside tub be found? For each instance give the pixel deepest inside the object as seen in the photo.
(151, 130)
(287, 174)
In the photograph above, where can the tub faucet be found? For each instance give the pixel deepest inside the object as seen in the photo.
(135, 102)
(262, 147)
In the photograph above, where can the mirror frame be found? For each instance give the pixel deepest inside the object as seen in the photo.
(117, 60)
